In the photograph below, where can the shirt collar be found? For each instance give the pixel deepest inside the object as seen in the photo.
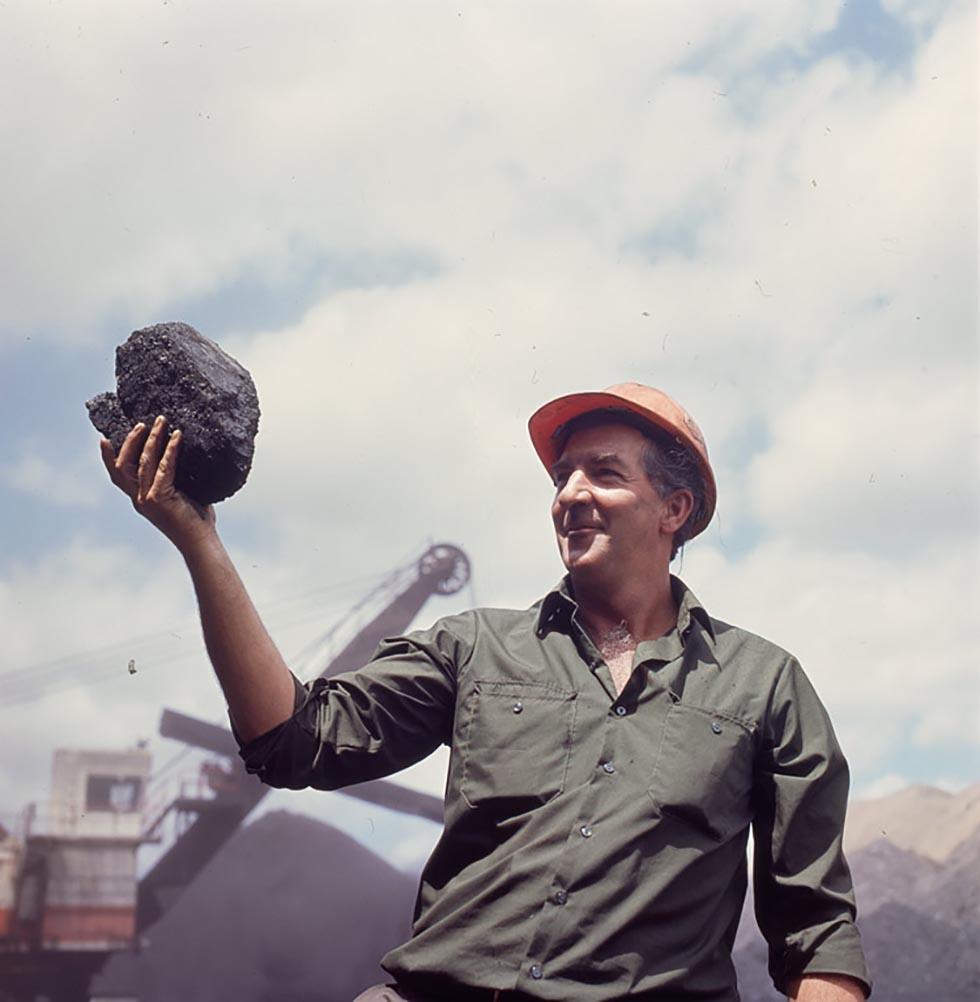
(689, 608)
(557, 608)
(559, 604)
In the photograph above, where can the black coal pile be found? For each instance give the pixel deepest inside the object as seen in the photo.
(291, 910)
(173, 370)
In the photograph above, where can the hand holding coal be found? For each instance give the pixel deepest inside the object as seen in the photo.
(173, 370)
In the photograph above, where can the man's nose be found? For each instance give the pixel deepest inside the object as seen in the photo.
(575, 489)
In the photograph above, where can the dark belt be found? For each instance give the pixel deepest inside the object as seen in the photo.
(428, 989)
(444, 990)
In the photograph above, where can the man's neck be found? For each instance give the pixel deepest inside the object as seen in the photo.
(646, 610)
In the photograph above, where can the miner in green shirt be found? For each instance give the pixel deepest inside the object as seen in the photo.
(611, 746)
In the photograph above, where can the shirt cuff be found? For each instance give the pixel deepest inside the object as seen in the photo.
(262, 754)
(830, 948)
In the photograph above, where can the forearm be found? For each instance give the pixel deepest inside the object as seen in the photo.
(826, 988)
(255, 679)
(253, 676)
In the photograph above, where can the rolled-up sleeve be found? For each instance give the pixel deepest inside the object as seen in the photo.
(368, 723)
(804, 898)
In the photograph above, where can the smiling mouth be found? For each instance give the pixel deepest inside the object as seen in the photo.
(581, 530)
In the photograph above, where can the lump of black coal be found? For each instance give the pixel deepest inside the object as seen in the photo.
(173, 370)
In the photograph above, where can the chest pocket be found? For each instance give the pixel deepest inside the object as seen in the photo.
(516, 742)
(703, 774)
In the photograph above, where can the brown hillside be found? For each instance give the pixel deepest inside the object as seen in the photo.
(921, 819)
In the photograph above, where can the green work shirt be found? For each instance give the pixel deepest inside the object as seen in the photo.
(595, 845)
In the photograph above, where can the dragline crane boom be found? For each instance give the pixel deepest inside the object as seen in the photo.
(443, 569)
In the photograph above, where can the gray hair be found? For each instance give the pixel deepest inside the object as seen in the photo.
(667, 462)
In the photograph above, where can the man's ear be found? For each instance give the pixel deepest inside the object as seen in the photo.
(677, 508)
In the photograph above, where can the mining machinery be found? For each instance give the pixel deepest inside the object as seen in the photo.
(69, 893)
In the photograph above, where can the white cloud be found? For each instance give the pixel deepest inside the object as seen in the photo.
(374, 126)
(872, 465)
(817, 313)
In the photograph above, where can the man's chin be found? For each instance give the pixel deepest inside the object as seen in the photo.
(582, 559)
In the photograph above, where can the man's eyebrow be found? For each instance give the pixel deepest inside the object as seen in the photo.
(592, 458)
(605, 457)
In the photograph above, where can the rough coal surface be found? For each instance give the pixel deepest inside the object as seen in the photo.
(107, 415)
(173, 370)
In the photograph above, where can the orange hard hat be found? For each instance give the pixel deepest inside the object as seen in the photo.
(650, 404)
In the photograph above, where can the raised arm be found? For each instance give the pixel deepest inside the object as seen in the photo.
(256, 682)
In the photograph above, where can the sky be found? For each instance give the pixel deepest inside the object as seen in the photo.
(414, 224)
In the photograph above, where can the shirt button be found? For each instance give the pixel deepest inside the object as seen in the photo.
(608, 768)
(561, 897)
(585, 831)
(518, 706)
(620, 711)
(536, 972)
(716, 727)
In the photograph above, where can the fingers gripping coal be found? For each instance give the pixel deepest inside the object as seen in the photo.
(173, 370)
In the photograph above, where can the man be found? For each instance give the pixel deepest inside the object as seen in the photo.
(611, 746)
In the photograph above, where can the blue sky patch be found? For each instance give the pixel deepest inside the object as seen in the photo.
(864, 31)
(955, 760)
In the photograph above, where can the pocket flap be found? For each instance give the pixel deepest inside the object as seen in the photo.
(703, 773)
(517, 739)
